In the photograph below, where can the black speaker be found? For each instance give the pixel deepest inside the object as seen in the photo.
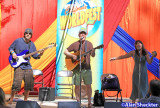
(68, 104)
(46, 94)
(27, 104)
(113, 105)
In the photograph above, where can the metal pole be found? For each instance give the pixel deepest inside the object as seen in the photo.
(139, 75)
(80, 69)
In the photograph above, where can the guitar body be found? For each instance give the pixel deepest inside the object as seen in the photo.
(24, 54)
(70, 63)
(16, 63)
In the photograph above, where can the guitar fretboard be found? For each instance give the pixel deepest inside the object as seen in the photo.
(91, 50)
(30, 54)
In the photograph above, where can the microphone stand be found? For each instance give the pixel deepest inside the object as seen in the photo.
(139, 74)
(80, 68)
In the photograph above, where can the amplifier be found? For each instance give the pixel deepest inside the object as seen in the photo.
(46, 94)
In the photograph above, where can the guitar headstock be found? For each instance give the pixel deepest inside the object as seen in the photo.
(99, 47)
(52, 45)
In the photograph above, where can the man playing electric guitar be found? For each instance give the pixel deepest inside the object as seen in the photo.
(24, 71)
(86, 68)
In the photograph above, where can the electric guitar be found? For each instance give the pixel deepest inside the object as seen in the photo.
(71, 64)
(24, 54)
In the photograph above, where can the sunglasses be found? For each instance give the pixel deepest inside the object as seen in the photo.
(28, 33)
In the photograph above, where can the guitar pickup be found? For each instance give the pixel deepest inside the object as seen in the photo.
(17, 59)
(11, 61)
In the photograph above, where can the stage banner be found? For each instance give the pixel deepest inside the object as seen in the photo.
(71, 17)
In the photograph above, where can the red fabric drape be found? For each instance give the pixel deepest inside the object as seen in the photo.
(113, 12)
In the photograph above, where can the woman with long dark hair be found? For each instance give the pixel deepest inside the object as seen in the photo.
(140, 75)
(2, 99)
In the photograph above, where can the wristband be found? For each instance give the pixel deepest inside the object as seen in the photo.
(13, 52)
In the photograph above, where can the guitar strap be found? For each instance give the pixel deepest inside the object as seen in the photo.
(85, 47)
(85, 50)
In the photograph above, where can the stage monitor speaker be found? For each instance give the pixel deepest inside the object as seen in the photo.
(27, 104)
(113, 105)
(46, 94)
(68, 104)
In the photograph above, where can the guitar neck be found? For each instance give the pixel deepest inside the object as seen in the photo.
(30, 54)
(87, 52)
(98, 47)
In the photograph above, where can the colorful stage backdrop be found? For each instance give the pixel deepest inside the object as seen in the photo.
(139, 18)
(87, 14)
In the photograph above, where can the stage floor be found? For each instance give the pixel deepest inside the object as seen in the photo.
(54, 104)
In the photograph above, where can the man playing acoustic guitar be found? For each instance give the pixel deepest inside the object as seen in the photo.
(86, 73)
(24, 71)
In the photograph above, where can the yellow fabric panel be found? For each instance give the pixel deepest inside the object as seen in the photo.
(49, 36)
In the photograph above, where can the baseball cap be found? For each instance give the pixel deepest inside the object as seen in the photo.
(28, 30)
(82, 30)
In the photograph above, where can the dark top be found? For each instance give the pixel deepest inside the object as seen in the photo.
(151, 99)
(20, 45)
(76, 47)
(1, 106)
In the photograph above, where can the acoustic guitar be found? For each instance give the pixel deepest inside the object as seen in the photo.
(71, 64)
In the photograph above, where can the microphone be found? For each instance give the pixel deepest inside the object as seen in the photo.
(81, 38)
(138, 47)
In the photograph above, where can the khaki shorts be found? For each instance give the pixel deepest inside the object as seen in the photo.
(86, 76)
